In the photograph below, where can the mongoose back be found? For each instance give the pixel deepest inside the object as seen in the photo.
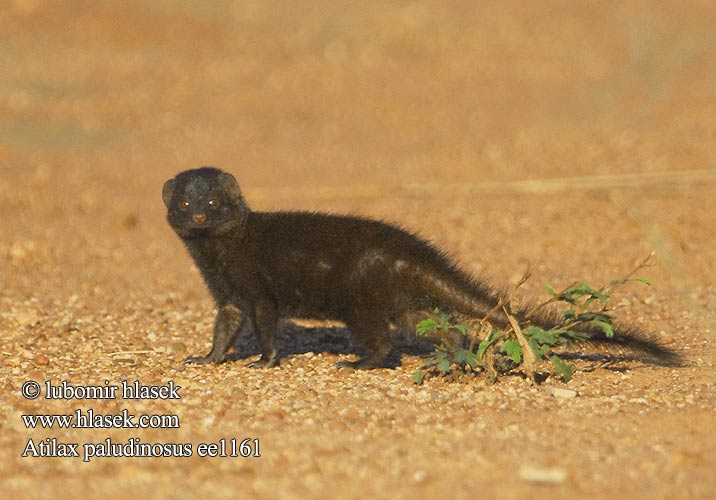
(261, 267)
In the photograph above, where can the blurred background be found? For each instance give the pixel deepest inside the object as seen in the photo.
(312, 92)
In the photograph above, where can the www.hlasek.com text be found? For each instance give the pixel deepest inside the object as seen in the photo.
(89, 420)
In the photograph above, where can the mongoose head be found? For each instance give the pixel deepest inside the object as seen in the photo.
(204, 203)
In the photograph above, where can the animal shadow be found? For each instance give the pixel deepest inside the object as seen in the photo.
(295, 339)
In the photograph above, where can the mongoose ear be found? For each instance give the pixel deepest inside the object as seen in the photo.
(168, 190)
(231, 186)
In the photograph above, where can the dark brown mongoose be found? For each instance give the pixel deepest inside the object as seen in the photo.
(261, 267)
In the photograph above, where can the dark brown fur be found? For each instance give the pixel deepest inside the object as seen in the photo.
(261, 267)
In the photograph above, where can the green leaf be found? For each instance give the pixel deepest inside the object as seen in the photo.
(418, 377)
(606, 327)
(461, 328)
(642, 279)
(465, 356)
(574, 336)
(444, 366)
(581, 289)
(537, 349)
(561, 368)
(491, 339)
(513, 349)
(594, 316)
(540, 336)
(441, 356)
(429, 362)
(426, 326)
(550, 290)
(573, 294)
(460, 355)
(471, 358)
(443, 322)
(596, 294)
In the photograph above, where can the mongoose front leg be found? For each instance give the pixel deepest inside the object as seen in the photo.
(229, 320)
(266, 326)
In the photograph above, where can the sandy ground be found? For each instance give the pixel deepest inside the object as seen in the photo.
(575, 138)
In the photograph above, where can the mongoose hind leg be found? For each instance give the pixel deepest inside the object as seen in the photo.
(374, 334)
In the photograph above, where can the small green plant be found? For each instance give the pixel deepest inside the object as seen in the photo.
(448, 353)
(522, 344)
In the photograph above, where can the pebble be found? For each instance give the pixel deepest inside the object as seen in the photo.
(542, 475)
(561, 392)
(27, 318)
(41, 359)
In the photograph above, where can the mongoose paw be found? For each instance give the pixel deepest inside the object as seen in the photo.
(198, 360)
(354, 365)
(263, 363)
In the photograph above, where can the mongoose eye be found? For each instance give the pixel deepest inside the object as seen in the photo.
(185, 204)
(214, 203)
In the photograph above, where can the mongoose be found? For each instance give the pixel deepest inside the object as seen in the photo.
(261, 267)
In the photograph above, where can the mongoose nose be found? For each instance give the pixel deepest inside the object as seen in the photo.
(199, 218)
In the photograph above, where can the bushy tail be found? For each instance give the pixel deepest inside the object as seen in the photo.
(627, 341)
(460, 293)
